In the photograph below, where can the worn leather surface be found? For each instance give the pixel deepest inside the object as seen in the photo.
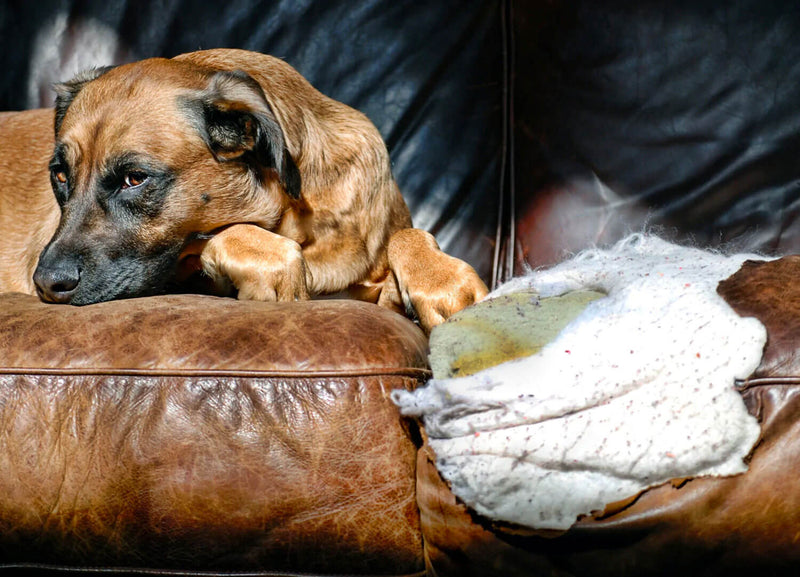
(768, 291)
(205, 333)
(198, 433)
(747, 524)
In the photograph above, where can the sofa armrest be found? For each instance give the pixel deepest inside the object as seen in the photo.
(198, 433)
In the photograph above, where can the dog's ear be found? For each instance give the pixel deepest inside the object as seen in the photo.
(239, 124)
(67, 91)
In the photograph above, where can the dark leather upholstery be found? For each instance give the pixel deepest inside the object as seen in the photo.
(679, 116)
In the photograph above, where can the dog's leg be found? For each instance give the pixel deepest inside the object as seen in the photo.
(261, 265)
(434, 284)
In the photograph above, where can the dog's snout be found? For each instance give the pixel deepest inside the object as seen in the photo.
(57, 282)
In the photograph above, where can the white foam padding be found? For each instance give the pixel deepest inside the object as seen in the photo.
(636, 391)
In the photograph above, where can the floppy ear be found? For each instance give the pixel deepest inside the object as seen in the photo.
(238, 124)
(67, 91)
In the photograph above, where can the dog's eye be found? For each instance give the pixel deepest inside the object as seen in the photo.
(134, 179)
(59, 175)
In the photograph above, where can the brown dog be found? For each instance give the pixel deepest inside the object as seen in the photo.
(230, 161)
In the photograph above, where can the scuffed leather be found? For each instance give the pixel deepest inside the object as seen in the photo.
(746, 524)
(193, 332)
(769, 291)
(199, 433)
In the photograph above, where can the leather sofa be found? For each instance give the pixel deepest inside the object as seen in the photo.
(185, 434)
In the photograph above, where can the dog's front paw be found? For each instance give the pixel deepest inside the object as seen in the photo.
(261, 265)
(434, 284)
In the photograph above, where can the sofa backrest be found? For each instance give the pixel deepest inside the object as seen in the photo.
(681, 117)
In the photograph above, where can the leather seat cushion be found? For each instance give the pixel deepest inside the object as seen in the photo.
(198, 433)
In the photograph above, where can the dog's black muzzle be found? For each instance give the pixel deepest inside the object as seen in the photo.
(57, 277)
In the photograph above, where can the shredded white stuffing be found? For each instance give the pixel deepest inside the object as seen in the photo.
(638, 390)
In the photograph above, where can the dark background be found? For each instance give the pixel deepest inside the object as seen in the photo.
(677, 116)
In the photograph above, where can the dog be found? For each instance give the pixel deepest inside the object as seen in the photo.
(229, 162)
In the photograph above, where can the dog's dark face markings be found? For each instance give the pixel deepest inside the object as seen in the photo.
(148, 156)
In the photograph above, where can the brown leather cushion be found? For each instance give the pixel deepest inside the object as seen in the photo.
(703, 526)
(200, 433)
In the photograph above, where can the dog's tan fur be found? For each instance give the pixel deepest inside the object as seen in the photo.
(28, 211)
(349, 229)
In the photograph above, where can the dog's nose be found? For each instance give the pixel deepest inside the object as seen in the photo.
(57, 284)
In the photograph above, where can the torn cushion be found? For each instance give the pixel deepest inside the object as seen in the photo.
(637, 389)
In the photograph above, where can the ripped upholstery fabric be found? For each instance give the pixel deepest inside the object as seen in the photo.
(637, 390)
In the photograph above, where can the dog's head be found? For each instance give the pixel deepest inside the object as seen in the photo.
(148, 157)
